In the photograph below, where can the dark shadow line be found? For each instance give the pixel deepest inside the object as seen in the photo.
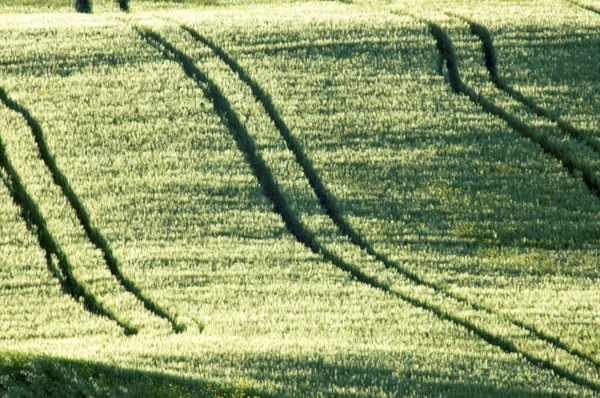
(36, 223)
(329, 203)
(93, 234)
(446, 50)
(491, 64)
(267, 182)
(585, 6)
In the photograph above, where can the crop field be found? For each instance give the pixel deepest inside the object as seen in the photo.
(283, 198)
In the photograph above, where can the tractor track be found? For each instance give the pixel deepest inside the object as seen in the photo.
(93, 234)
(301, 233)
(491, 64)
(36, 223)
(444, 46)
(331, 209)
(483, 34)
(573, 165)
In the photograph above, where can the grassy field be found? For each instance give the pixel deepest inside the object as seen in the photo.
(352, 199)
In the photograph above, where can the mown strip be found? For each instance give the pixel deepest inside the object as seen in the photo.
(93, 234)
(329, 203)
(37, 224)
(446, 50)
(267, 182)
(491, 63)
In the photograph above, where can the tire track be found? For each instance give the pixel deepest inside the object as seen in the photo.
(491, 64)
(329, 203)
(93, 234)
(83, 6)
(573, 165)
(446, 50)
(37, 225)
(324, 196)
(301, 233)
(246, 145)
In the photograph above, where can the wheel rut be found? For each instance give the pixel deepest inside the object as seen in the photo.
(302, 234)
(62, 270)
(446, 50)
(595, 10)
(92, 233)
(491, 63)
(329, 203)
(573, 164)
(483, 34)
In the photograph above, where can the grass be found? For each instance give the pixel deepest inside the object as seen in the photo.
(326, 199)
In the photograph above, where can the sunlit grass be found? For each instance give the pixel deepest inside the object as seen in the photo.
(434, 183)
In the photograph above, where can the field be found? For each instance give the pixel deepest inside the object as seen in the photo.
(278, 198)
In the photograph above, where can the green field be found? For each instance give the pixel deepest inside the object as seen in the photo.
(278, 198)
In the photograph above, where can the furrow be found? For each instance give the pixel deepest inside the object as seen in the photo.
(549, 146)
(506, 337)
(53, 252)
(329, 203)
(93, 234)
(446, 50)
(491, 63)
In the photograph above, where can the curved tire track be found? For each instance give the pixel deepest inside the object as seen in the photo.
(93, 234)
(37, 225)
(83, 6)
(325, 198)
(270, 188)
(123, 5)
(329, 203)
(491, 63)
(446, 50)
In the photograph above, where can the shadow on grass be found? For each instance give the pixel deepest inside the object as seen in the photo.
(65, 65)
(22, 375)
